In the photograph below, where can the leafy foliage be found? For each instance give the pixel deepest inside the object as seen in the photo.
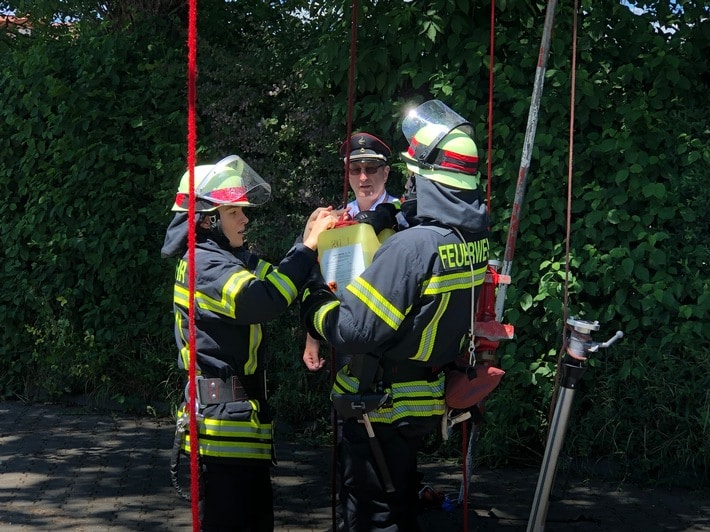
(94, 145)
(94, 126)
(638, 260)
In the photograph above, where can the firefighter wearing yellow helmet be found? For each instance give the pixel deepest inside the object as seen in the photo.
(404, 318)
(440, 146)
(235, 292)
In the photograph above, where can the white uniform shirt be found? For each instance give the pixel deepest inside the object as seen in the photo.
(384, 198)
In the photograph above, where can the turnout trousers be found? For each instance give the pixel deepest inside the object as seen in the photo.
(236, 497)
(366, 505)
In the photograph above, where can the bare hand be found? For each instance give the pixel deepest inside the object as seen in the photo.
(311, 354)
(314, 215)
(323, 218)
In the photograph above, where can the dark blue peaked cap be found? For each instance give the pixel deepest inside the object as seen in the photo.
(365, 147)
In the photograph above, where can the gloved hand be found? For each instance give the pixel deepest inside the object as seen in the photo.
(383, 217)
(315, 294)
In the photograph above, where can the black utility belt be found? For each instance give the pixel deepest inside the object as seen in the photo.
(407, 371)
(215, 391)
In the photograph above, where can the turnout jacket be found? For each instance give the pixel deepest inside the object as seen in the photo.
(411, 307)
(235, 293)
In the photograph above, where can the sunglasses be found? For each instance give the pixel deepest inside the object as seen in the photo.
(369, 170)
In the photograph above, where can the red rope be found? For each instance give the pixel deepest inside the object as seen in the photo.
(490, 106)
(351, 96)
(563, 347)
(464, 453)
(489, 164)
(573, 82)
(191, 150)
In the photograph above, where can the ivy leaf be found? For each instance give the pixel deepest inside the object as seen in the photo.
(628, 266)
(654, 190)
(526, 302)
(625, 370)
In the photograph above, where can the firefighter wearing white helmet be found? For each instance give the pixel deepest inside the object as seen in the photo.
(404, 318)
(235, 292)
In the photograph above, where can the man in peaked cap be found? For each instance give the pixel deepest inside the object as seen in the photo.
(367, 171)
(402, 320)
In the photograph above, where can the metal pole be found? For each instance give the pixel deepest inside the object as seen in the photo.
(579, 347)
(526, 156)
(541, 501)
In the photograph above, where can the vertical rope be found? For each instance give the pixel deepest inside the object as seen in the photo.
(571, 155)
(489, 166)
(489, 162)
(573, 81)
(191, 150)
(464, 453)
(351, 95)
(348, 133)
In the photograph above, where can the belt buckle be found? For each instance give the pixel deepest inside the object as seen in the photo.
(198, 393)
(212, 393)
(239, 393)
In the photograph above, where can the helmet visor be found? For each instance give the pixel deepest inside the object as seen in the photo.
(435, 116)
(233, 182)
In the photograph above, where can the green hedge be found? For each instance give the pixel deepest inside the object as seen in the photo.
(93, 144)
(93, 137)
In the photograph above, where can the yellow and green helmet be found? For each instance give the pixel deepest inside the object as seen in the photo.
(229, 182)
(441, 147)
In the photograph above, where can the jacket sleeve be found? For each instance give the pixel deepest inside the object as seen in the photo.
(258, 292)
(375, 304)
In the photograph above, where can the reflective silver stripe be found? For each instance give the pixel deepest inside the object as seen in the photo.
(255, 337)
(262, 269)
(234, 439)
(226, 305)
(411, 398)
(454, 281)
(181, 296)
(284, 285)
(224, 449)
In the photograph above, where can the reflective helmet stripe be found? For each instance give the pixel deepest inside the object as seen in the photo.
(467, 164)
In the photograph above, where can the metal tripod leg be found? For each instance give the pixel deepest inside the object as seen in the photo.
(555, 439)
(579, 347)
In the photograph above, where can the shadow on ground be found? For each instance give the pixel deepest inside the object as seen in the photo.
(69, 468)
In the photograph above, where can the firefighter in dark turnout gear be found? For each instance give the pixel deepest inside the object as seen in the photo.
(235, 293)
(402, 319)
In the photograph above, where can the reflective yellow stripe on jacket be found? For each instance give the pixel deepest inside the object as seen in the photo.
(418, 398)
(374, 301)
(222, 438)
(439, 284)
